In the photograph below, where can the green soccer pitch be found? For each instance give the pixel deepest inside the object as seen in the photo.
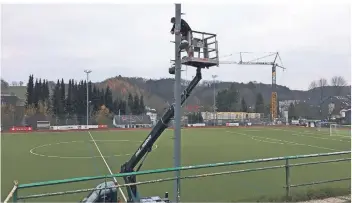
(47, 156)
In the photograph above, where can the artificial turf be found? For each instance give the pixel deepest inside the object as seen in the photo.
(46, 156)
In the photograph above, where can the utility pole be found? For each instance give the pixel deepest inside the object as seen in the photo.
(87, 72)
(177, 107)
(214, 106)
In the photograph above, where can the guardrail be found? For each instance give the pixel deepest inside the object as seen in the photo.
(287, 166)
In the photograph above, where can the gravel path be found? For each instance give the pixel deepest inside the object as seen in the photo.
(341, 199)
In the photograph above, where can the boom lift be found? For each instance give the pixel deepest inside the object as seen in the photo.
(201, 45)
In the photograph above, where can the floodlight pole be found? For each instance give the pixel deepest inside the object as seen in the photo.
(214, 107)
(177, 95)
(87, 72)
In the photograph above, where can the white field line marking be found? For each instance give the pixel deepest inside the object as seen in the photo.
(259, 140)
(323, 138)
(306, 134)
(341, 136)
(83, 132)
(63, 132)
(286, 142)
(123, 195)
(295, 143)
(253, 130)
(32, 151)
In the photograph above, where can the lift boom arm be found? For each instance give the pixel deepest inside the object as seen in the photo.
(147, 145)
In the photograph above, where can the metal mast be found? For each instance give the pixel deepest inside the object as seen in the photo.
(177, 95)
(87, 72)
(214, 104)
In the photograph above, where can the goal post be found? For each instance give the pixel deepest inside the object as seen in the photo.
(333, 130)
(340, 130)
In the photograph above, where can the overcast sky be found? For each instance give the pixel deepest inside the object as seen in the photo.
(60, 41)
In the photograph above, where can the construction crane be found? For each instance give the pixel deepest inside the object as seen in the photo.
(274, 65)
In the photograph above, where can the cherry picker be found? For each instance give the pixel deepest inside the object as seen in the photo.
(203, 46)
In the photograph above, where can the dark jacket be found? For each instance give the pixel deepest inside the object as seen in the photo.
(185, 28)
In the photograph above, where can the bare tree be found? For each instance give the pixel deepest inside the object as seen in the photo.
(14, 83)
(313, 85)
(322, 83)
(21, 83)
(338, 82)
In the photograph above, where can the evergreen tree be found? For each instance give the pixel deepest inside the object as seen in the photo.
(130, 104)
(82, 101)
(226, 100)
(90, 91)
(36, 94)
(195, 117)
(75, 98)
(95, 99)
(259, 104)
(115, 108)
(62, 98)
(122, 107)
(30, 91)
(108, 100)
(40, 91)
(68, 106)
(47, 94)
(84, 95)
(136, 107)
(55, 100)
(244, 107)
(101, 98)
(141, 105)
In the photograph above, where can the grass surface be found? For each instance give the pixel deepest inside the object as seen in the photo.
(73, 154)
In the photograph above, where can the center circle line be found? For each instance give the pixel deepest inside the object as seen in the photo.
(32, 151)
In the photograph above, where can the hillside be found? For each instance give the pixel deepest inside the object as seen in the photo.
(157, 93)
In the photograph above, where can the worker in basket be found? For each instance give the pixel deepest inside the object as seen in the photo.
(186, 34)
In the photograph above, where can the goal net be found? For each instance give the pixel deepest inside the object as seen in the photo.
(339, 130)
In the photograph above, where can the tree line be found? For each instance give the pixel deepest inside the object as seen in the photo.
(230, 100)
(337, 82)
(70, 100)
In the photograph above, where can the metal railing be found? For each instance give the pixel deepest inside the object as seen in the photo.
(287, 166)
